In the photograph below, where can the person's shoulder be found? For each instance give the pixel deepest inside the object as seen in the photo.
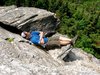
(32, 32)
(35, 32)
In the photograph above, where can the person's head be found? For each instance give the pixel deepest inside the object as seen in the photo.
(25, 34)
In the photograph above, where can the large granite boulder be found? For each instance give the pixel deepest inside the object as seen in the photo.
(28, 19)
(20, 58)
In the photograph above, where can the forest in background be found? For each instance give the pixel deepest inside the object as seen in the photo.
(77, 17)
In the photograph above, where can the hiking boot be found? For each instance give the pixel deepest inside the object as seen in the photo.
(74, 40)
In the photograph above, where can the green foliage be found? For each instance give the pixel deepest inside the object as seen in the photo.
(84, 43)
(10, 2)
(80, 17)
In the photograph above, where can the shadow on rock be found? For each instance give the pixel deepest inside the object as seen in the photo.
(10, 28)
(71, 57)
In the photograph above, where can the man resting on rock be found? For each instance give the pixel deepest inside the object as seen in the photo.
(38, 38)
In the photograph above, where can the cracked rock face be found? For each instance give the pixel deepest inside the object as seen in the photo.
(28, 19)
(19, 58)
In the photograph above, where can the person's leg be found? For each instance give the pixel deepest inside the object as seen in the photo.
(64, 39)
(52, 45)
(64, 43)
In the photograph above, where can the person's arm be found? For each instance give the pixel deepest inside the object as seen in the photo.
(41, 37)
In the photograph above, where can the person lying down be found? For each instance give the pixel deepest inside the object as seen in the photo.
(38, 38)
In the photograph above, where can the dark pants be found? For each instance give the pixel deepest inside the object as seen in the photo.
(53, 43)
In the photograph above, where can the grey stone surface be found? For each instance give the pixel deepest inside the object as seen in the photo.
(18, 58)
(26, 18)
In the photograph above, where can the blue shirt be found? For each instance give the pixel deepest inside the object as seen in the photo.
(35, 38)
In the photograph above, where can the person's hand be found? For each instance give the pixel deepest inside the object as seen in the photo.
(41, 38)
(41, 41)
